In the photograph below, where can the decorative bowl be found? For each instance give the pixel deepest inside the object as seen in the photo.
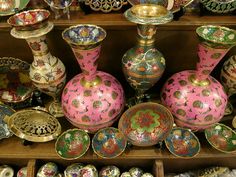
(146, 124)
(221, 137)
(4, 130)
(22, 172)
(29, 20)
(135, 171)
(109, 142)
(182, 143)
(15, 84)
(49, 169)
(88, 171)
(72, 144)
(73, 170)
(111, 171)
(9, 7)
(59, 4)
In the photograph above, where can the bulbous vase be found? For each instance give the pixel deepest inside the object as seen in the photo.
(196, 99)
(93, 99)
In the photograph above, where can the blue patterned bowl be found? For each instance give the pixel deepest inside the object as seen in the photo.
(108, 143)
(182, 143)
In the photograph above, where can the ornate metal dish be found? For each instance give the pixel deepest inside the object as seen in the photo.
(109, 143)
(4, 130)
(146, 124)
(34, 125)
(15, 84)
(221, 137)
(182, 143)
(219, 6)
(9, 7)
(72, 144)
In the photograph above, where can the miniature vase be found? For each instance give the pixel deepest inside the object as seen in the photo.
(143, 65)
(93, 99)
(196, 99)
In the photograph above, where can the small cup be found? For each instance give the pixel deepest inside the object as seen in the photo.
(6, 171)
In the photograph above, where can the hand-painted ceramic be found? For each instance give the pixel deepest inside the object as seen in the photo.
(219, 6)
(109, 143)
(221, 137)
(147, 175)
(146, 124)
(172, 5)
(29, 20)
(182, 143)
(109, 171)
(73, 170)
(15, 84)
(136, 172)
(196, 99)
(88, 171)
(49, 169)
(9, 7)
(125, 174)
(22, 172)
(59, 4)
(4, 130)
(234, 122)
(72, 144)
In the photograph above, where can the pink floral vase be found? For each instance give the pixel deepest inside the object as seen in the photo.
(196, 99)
(93, 99)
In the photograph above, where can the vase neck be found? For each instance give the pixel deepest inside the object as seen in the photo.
(208, 58)
(88, 61)
(146, 34)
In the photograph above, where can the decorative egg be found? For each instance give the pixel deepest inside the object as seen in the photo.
(49, 169)
(109, 171)
(147, 175)
(22, 172)
(73, 170)
(88, 171)
(136, 172)
(125, 174)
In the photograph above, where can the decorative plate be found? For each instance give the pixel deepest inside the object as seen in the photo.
(146, 124)
(172, 5)
(15, 84)
(110, 170)
(182, 143)
(72, 144)
(221, 137)
(49, 169)
(4, 130)
(59, 4)
(9, 7)
(109, 142)
(73, 170)
(219, 6)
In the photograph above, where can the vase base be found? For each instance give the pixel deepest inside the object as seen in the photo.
(55, 109)
(229, 109)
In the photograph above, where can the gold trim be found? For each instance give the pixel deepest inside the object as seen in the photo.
(89, 84)
(234, 122)
(228, 74)
(133, 74)
(196, 125)
(147, 42)
(192, 78)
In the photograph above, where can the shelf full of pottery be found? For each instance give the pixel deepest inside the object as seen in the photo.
(92, 101)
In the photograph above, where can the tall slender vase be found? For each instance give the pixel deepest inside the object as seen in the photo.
(47, 72)
(93, 99)
(143, 65)
(196, 99)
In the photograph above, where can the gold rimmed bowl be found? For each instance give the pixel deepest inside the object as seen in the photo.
(29, 20)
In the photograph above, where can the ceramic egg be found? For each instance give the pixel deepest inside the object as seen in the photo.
(49, 169)
(136, 172)
(147, 175)
(88, 171)
(125, 174)
(73, 170)
(22, 172)
(109, 171)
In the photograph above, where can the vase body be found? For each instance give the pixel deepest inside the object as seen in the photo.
(196, 99)
(93, 99)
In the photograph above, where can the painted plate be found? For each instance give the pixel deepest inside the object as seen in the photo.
(109, 142)
(72, 144)
(9, 7)
(146, 124)
(15, 84)
(221, 137)
(219, 6)
(182, 143)
(172, 5)
(4, 130)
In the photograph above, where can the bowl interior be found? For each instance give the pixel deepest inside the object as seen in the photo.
(30, 17)
(146, 124)
(182, 143)
(217, 34)
(84, 34)
(109, 142)
(221, 137)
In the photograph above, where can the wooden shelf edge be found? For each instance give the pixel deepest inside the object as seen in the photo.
(31, 167)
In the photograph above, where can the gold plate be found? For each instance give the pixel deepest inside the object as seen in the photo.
(34, 125)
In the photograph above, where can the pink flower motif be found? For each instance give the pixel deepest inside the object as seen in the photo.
(128, 64)
(37, 76)
(40, 63)
(35, 46)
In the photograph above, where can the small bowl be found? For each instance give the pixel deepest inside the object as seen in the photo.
(72, 144)
(49, 169)
(10, 7)
(221, 137)
(182, 143)
(29, 20)
(22, 172)
(110, 170)
(109, 143)
(73, 170)
(146, 124)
